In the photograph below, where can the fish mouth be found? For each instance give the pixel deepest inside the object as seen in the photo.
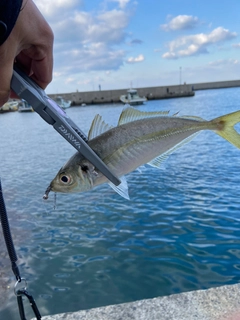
(49, 188)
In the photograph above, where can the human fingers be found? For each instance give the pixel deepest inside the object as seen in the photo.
(30, 44)
(6, 70)
(36, 54)
(37, 63)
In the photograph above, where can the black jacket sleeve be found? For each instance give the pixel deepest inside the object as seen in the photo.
(9, 11)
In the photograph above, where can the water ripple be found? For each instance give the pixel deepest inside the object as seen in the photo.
(179, 231)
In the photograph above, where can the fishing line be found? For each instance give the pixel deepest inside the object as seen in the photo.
(20, 288)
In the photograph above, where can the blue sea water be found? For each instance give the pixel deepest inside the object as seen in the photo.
(180, 231)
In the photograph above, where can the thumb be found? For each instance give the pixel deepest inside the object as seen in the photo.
(6, 75)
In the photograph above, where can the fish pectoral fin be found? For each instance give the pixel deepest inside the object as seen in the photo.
(130, 114)
(122, 188)
(98, 127)
(156, 162)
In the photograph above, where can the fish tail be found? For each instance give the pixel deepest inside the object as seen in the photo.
(225, 127)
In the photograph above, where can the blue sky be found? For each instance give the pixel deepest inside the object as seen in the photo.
(125, 43)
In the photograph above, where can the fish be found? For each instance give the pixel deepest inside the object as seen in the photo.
(139, 138)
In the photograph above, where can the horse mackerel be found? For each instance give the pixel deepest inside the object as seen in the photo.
(140, 138)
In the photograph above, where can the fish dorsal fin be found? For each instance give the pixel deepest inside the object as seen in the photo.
(122, 188)
(156, 162)
(98, 127)
(130, 114)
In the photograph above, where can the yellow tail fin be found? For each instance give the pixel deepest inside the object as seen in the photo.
(226, 128)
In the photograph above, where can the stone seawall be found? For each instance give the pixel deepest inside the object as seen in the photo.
(113, 96)
(221, 303)
(216, 85)
(151, 93)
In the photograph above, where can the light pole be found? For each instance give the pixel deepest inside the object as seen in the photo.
(180, 75)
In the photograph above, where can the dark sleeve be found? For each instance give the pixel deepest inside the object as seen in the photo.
(9, 11)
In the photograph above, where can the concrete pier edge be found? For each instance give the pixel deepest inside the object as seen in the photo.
(220, 303)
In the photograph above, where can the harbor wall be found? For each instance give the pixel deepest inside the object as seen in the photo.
(151, 93)
(112, 96)
(220, 303)
(216, 85)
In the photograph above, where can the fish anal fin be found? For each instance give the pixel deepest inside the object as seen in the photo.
(156, 162)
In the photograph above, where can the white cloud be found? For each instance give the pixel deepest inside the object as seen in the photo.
(197, 44)
(57, 74)
(52, 9)
(236, 45)
(108, 27)
(95, 56)
(86, 40)
(122, 3)
(181, 22)
(223, 63)
(69, 80)
(139, 58)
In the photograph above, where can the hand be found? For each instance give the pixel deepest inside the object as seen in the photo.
(30, 44)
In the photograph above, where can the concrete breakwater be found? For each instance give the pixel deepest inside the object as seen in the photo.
(112, 96)
(221, 303)
(151, 93)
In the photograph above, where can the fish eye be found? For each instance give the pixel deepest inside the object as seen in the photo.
(65, 179)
